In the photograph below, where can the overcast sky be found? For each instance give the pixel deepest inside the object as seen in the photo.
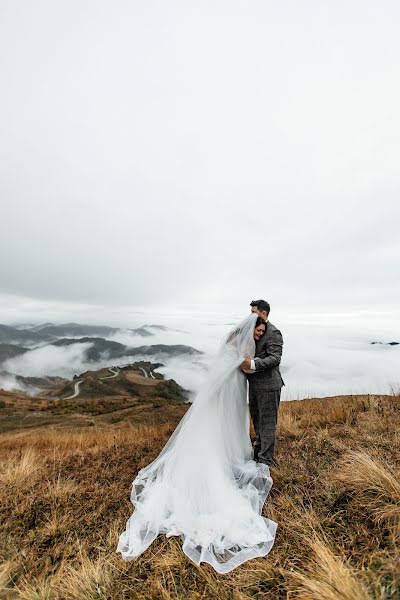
(200, 151)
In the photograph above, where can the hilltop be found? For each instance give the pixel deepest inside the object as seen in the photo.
(66, 476)
(135, 391)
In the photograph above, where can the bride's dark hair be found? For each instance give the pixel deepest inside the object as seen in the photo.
(260, 321)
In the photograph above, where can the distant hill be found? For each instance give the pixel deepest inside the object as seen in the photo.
(47, 332)
(33, 384)
(16, 341)
(69, 329)
(99, 347)
(172, 350)
(12, 335)
(10, 351)
(141, 331)
(38, 327)
(117, 350)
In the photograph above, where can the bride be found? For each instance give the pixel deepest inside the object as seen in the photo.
(204, 485)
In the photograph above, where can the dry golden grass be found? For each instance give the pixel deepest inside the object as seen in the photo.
(289, 425)
(17, 471)
(375, 487)
(87, 580)
(64, 500)
(6, 572)
(327, 577)
(64, 442)
(60, 487)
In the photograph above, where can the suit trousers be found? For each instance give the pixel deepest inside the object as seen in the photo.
(264, 407)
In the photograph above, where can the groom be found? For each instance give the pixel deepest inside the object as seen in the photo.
(265, 384)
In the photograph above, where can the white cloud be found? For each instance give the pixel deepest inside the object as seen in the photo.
(10, 383)
(192, 151)
(65, 361)
(324, 353)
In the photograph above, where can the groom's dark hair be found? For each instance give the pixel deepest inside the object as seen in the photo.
(261, 305)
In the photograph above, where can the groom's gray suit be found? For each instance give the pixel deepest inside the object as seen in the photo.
(265, 392)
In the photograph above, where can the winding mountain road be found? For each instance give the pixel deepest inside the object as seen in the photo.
(143, 371)
(114, 371)
(76, 391)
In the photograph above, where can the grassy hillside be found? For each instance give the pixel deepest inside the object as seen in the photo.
(336, 498)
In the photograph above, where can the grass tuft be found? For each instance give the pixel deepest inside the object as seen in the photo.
(374, 486)
(16, 471)
(327, 577)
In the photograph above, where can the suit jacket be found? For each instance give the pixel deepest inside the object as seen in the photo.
(268, 355)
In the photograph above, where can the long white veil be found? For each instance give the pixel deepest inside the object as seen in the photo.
(204, 485)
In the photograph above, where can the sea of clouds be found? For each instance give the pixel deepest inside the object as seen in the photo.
(325, 353)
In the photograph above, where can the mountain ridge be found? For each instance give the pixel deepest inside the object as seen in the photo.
(45, 332)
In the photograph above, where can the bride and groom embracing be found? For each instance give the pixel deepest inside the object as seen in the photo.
(208, 485)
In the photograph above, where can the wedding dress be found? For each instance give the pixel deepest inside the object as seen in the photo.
(204, 485)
